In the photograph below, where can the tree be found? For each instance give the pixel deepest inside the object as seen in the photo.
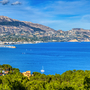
(87, 83)
(16, 85)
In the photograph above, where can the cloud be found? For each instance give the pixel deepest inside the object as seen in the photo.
(86, 18)
(58, 14)
(16, 3)
(4, 2)
(70, 7)
(65, 24)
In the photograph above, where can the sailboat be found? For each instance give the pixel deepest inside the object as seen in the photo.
(42, 70)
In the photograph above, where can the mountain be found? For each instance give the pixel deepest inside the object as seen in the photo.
(16, 25)
(21, 31)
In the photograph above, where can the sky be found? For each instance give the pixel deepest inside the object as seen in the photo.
(57, 14)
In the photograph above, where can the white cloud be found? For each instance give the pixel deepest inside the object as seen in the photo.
(4, 2)
(67, 7)
(86, 18)
(16, 3)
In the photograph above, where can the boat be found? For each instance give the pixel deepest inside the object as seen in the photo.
(42, 70)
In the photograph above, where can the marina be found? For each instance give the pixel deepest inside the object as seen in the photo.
(7, 46)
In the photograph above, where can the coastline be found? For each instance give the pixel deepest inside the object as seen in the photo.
(7, 46)
(12, 44)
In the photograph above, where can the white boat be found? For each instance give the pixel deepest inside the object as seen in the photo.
(42, 70)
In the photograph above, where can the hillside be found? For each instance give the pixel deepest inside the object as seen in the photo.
(15, 25)
(21, 31)
(69, 80)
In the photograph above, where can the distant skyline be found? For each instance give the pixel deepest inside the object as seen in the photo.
(56, 14)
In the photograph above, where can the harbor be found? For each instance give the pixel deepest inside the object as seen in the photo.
(7, 46)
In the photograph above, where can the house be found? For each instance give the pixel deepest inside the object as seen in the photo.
(0, 74)
(27, 74)
(6, 72)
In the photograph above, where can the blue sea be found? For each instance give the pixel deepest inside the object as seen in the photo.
(53, 57)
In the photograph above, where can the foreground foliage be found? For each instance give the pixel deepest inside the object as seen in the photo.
(70, 80)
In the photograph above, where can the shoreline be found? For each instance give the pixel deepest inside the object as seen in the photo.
(7, 46)
(13, 43)
(10, 45)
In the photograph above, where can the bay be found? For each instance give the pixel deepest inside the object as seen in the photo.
(56, 57)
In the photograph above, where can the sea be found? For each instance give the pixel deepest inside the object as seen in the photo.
(53, 57)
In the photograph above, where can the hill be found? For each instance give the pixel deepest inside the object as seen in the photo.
(23, 31)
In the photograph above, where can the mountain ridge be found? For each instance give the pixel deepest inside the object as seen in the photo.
(15, 30)
(4, 20)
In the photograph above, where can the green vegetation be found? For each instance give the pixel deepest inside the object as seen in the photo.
(7, 68)
(70, 80)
